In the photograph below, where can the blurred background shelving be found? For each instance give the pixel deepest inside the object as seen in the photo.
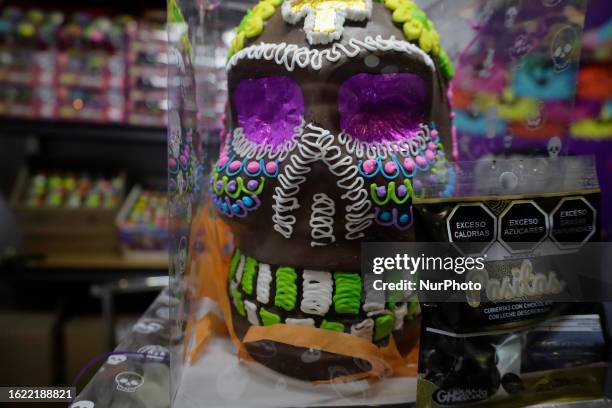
(83, 112)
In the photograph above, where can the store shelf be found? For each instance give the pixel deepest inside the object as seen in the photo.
(81, 130)
(97, 261)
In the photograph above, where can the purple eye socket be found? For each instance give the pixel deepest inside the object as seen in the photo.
(385, 107)
(269, 109)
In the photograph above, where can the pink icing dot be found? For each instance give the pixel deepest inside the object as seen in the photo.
(430, 155)
(434, 134)
(421, 161)
(432, 146)
(253, 167)
(409, 164)
(235, 165)
(271, 167)
(390, 167)
(223, 160)
(369, 166)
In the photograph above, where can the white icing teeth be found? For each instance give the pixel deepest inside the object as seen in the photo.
(374, 299)
(264, 278)
(317, 292)
(363, 329)
(400, 314)
(240, 269)
(251, 310)
(300, 322)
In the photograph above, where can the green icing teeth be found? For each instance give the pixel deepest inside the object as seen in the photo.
(383, 326)
(268, 318)
(347, 298)
(238, 302)
(286, 289)
(335, 326)
(250, 267)
(234, 264)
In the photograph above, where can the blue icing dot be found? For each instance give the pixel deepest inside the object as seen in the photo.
(404, 218)
(385, 216)
(235, 208)
(224, 207)
(248, 201)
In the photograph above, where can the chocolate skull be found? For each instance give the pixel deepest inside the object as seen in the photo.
(335, 107)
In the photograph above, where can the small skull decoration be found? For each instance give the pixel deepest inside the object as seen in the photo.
(554, 147)
(128, 381)
(115, 359)
(335, 107)
(563, 48)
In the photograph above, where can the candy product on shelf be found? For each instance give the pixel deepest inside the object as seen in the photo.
(148, 71)
(510, 340)
(143, 224)
(68, 211)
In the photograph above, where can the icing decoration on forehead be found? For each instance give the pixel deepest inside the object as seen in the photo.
(324, 19)
(291, 55)
(252, 25)
(418, 28)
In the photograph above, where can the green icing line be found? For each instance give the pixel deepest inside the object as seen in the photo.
(335, 326)
(383, 325)
(286, 289)
(392, 193)
(240, 188)
(348, 292)
(413, 308)
(234, 264)
(446, 64)
(238, 303)
(268, 318)
(250, 266)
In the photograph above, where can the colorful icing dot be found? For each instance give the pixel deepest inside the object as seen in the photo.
(223, 161)
(390, 167)
(271, 167)
(231, 186)
(432, 146)
(235, 165)
(385, 216)
(252, 185)
(369, 166)
(420, 160)
(417, 184)
(404, 218)
(219, 185)
(381, 191)
(434, 133)
(409, 164)
(248, 201)
(402, 190)
(235, 208)
(172, 163)
(253, 167)
(431, 156)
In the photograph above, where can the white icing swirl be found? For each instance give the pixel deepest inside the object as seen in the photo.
(322, 220)
(291, 55)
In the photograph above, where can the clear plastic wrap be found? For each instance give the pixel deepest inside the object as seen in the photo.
(271, 196)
